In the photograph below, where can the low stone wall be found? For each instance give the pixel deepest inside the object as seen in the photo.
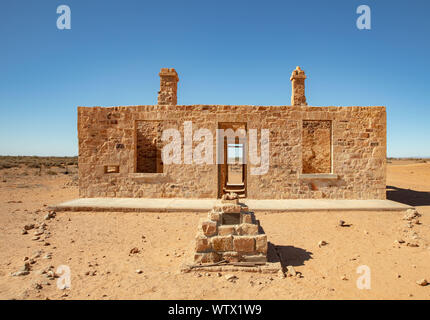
(221, 238)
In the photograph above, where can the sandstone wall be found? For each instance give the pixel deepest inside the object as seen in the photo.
(109, 136)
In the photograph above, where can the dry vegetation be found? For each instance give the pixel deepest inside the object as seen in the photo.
(7, 162)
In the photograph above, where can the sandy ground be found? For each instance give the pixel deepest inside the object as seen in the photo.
(96, 247)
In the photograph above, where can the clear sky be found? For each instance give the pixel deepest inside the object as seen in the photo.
(226, 52)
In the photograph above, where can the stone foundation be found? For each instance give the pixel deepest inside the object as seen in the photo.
(231, 233)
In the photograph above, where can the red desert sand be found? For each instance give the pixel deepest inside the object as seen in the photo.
(117, 255)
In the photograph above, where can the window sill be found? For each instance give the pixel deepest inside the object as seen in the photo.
(325, 176)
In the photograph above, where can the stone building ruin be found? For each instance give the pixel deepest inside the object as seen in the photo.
(314, 152)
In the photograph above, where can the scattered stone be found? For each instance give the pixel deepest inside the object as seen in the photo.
(412, 244)
(26, 267)
(37, 286)
(341, 223)
(36, 254)
(35, 238)
(48, 256)
(29, 226)
(422, 282)
(38, 232)
(322, 243)
(230, 277)
(51, 275)
(50, 215)
(281, 274)
(411, 214)
(20, 273)
(24, 232)
(138, 271)
(344, 278)
(291, 272)
(134, 250)
(24, 270)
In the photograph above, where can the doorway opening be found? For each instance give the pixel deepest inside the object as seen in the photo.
(232, 170)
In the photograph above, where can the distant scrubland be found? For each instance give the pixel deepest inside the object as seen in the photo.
(36, 162)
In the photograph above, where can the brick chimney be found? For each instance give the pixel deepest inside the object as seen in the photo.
(168, 86)
(298, 85)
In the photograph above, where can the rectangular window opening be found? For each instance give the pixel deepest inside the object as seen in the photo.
(111, 169)
(316, 146)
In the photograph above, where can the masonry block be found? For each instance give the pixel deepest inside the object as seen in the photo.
(246, 229)
(261, 243)
(209, 228)
(244, 244)
(226, 230)
(202, 244)
(214, 216)
(246, 217)
(231, 256)
(208, 257)
(222, 243)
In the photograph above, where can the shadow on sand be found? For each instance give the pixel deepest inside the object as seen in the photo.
(287, 255)
(408, 196)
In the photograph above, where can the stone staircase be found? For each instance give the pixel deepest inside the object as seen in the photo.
(239, 189)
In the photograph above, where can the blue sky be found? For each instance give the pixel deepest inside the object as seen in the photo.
(226, 52)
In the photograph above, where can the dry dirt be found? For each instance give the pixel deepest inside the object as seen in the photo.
(96, 247)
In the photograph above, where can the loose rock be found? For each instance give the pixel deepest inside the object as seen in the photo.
(411, 214)
(230, 277)
(281, 274)
(50, 215)
(322, 243)
(134, 250)
(422, 282)
(291, 272)
(29, 226)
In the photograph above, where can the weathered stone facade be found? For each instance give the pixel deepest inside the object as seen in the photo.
(303, 164)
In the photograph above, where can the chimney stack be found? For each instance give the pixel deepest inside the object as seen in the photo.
(298, 85)
(168, 87)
